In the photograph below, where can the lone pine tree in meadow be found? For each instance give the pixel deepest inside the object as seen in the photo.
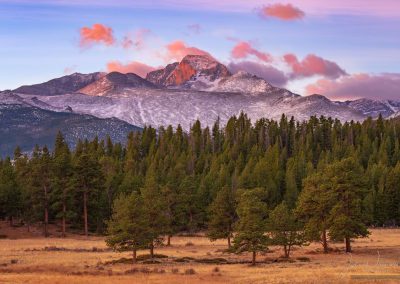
(251, 227)
(127, 229)
(155, 210)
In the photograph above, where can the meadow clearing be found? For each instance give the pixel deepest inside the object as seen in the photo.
(30, 258)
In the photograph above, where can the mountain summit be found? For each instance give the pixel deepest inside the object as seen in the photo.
(193, 72)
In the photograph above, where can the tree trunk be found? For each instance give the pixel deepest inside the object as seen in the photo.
(348, 245)
(229, 242)
(253, 261)
(85, 214)
(169, 240)
(134, 256)
(152, 250)
(46, 213)
(324, 241)
(64, 209)
(11, 221)
(285, 249)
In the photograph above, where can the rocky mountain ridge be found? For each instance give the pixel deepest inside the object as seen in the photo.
(198, 87)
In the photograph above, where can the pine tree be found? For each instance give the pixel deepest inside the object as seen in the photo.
(23, 173)
(10, 194)
(291, 193)
(40, 187)
(88, 180)
(222, 214)
(61, 181)
(155, 212)
(314, 206)
(284, 229)
(172, 222)
(347, 186)
(128, 229)
(251, 226)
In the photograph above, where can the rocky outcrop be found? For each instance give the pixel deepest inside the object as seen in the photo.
(114, 81)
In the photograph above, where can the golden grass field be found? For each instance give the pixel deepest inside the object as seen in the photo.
(23, 259)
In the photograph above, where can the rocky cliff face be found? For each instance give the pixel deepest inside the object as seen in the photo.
(159, 77)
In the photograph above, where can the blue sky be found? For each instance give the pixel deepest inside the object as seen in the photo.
(40, 40)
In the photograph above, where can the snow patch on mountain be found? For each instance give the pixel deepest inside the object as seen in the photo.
(242, 82)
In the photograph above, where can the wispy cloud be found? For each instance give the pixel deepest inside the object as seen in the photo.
(317, 7)
(244, 49)
(136, 40)
(379, 86)
(178, 49)
(313, 65)
(136, 67)
(267, 72)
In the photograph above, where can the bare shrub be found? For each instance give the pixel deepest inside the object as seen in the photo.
(190, 271)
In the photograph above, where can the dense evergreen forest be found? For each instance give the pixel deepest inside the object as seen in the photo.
(299, 181)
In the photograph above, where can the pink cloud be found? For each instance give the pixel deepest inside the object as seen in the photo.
(381, 86)
(98, 33)
(136, 41)
(269, 73)
(313, 65)
(281, 11)
(136, 67)
(244, 49)
(178, 49)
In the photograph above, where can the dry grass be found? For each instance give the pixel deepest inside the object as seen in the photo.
(377, 255)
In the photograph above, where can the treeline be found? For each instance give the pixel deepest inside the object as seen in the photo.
(325, 177)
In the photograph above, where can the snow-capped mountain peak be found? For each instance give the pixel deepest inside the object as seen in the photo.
(193, 72)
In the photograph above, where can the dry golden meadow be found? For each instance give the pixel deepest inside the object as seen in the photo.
(24, 258)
